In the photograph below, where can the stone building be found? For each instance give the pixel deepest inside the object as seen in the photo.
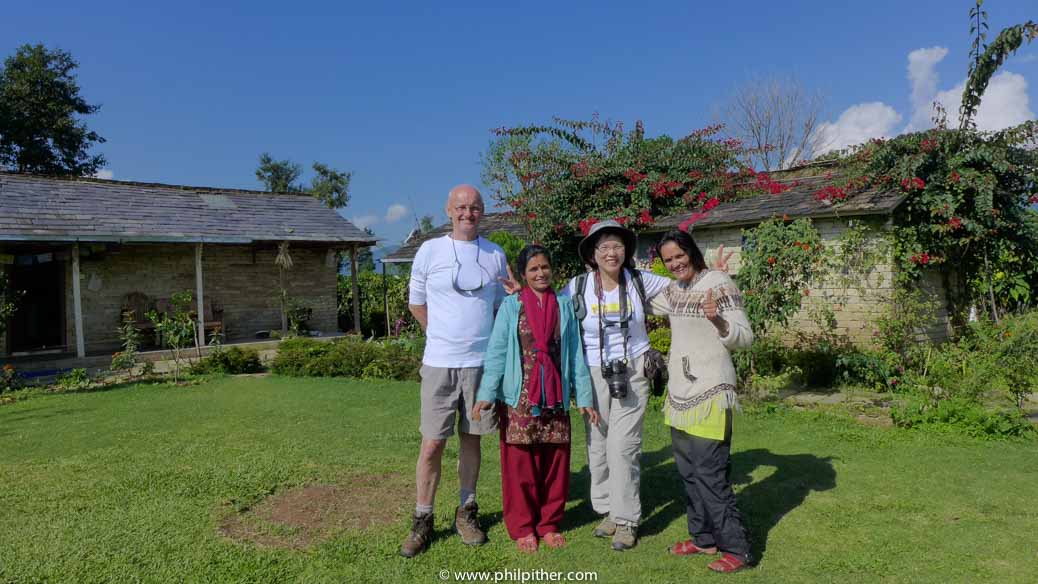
(84, 251)
(856, 305)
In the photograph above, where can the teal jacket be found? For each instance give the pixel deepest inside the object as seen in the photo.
(503, 367)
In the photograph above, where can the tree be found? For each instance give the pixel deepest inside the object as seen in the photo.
(329, 185)
(365, 259)
(985, 60)
(279, 176)
(425, 225)
(565, 177)
(777, 119)
(40, 107)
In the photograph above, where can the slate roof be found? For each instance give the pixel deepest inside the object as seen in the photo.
(490, 223)
(797, 202)
(38, 208)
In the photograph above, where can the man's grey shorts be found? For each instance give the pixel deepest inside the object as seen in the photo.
(445, 392)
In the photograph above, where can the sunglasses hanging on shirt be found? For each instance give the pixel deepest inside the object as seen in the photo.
(468, 277)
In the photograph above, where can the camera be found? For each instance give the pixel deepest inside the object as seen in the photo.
(615, 374)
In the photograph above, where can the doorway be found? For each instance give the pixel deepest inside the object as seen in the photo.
(38, 324)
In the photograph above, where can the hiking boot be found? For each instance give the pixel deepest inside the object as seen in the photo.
(625, 537)
(466, 523)
(605, 529)
(421, 534)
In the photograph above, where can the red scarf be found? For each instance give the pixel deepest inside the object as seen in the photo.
(546, 388)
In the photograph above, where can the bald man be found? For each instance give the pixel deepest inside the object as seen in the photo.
(456, 287)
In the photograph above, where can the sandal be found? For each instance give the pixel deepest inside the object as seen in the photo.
(554, 540)
(688, 548)
(528, 544)
(728, 563)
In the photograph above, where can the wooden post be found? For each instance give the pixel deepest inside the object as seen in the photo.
(77, 303)
(385, 299)
(356, 289)
(201, 302)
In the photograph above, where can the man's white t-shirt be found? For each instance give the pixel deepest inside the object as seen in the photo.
(460, 321)
(638, 340)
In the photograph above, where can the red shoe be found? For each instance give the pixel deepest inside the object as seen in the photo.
(728, 563)
(688, 548)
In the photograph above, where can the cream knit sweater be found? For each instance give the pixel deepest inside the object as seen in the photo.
(702, 375)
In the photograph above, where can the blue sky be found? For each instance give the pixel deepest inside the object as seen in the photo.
(405, 94)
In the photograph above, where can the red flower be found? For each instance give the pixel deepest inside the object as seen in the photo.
(645, 218)
(587, 224)
(1032, 199)
(531, 215)
(955, 176)
(692, 220)
(621, 220)
(771, 260)
(920, 258)
(954, 223)
(711, 204)
(913, 184)
(830, 194)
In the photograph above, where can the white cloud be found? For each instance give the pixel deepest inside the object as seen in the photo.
(105, 174)
(364, 221)
(857, 124)
(922, 76)
(1005, 102)
(395, 212)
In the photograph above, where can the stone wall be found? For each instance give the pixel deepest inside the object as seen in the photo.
(856, 313)
(243, 280)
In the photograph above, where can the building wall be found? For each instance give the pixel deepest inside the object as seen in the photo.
(3, 336)
(856, 313)
(241, 279)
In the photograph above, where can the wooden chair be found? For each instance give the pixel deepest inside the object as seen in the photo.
(136, 305)
(212, 315)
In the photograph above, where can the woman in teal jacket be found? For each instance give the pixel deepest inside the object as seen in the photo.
(533, 366)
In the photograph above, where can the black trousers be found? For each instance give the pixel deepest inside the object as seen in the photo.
(705, 469)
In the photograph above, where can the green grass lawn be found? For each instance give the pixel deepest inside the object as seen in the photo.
(132, 484)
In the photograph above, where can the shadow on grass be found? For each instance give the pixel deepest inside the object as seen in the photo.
(32, 415)
(763, 503)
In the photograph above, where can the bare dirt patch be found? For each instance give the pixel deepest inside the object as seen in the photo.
(301, 517)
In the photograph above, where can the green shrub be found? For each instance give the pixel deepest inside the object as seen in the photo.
(876, 369)
(960, 415)
(232, 361)
(348, 357)
(74, 380)
(767, 356)
(660, 340)
(9, 378)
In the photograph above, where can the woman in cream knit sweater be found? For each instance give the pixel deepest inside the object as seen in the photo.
(707, 323)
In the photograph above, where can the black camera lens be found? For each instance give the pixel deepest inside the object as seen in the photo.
(615, 374)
